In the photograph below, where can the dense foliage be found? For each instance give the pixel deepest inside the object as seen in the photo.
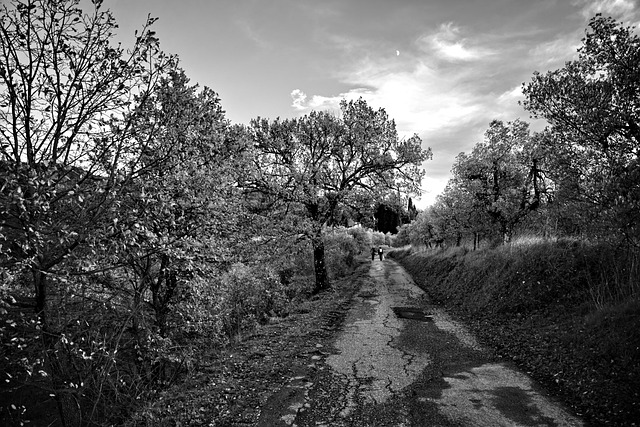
(593, 106)
(320, 167)
(137, 223)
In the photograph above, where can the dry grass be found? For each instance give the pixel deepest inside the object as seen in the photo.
(566, 310)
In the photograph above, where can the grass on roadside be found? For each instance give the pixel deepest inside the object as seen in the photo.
(566, 311)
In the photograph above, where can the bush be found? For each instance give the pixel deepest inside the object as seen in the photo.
(249, 296)
(293, 263)
(377, 238)
(200, 313)
(361, 238)
(100, 366)
(340, 252)
(402, 238)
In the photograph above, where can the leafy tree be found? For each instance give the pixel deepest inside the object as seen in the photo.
(182, 213)
(402, 238)
(457, 213)
(503, 174)
(314, 165)
(68, 98)
(420, 231)
(388, 218)
(593, 105)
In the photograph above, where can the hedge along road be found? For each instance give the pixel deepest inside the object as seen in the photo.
(400, 361)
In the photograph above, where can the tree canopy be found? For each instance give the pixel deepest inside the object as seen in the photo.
(593, 106)
(69, 99)
(320, 163)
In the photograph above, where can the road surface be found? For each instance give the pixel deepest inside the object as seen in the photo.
(400, 361)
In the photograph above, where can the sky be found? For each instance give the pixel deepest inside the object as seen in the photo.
(442, 69)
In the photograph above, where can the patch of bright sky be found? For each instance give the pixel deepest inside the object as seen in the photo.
(441, 68)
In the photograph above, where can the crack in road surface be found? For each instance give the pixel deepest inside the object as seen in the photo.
(366, 350)
(395, 372)
(391, 371)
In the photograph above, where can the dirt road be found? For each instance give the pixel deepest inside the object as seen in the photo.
(399, 361)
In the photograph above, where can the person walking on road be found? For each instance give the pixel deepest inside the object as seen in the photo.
(380, 252)
(373, 253)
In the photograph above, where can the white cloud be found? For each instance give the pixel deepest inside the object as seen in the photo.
(421, 100)
(511, 96)
(303, 104)
(616, 8)
(447, 90)
(448, 44)
(431, 188)
(299, 98)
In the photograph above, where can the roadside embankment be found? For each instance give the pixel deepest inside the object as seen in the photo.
(568, 313)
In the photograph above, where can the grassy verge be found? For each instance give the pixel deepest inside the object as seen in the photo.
(566, 312)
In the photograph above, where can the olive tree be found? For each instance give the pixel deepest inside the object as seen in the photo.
(182, 214)
(593, 106)
(314, 165)
(503, 175)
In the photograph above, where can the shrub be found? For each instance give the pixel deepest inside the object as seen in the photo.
(249, 296)
(361, 238)
(200, 313)
(340, 252)
(377, 238)
(402, 238)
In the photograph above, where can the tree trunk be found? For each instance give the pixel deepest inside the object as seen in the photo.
(57, 363)
(58, 367)
(137, 310)
(319, 266)
(162, 289)
(40, 285)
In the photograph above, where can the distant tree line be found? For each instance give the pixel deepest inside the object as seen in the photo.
(579, 177)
